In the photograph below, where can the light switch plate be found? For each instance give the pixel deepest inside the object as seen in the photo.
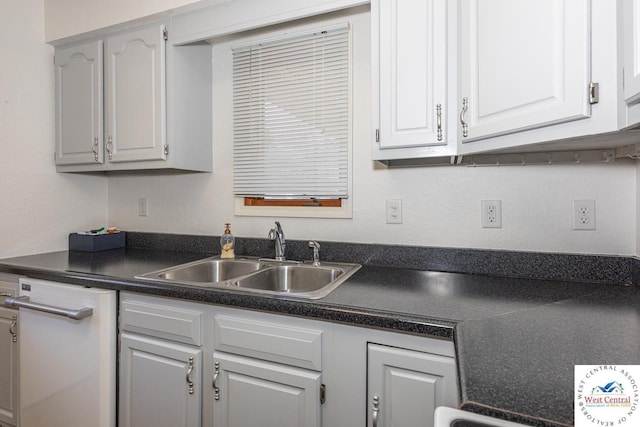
(394, 211)
(143, 206)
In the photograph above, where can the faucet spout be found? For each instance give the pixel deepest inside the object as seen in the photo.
(277, 235)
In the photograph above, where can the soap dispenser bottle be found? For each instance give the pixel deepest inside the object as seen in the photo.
(227, 243)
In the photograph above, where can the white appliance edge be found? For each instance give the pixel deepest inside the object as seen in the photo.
(67, 367)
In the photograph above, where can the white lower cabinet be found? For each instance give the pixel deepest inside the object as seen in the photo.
(405, 387)
(251, 392)
(161, 362)
(8, 367)
(8, 353)
(271, 364)
(255, 369)
(160, 383)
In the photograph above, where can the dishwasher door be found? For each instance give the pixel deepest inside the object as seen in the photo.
(67, 366)
(449, 417)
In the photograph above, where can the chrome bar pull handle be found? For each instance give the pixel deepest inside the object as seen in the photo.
(189, 371)
(465, 126)
(216, 372)
(12, 328)
(23, 302)
(376, 410)
(439, 120)
(109, 147)
(94, 148)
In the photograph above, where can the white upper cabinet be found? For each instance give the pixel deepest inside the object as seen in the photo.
(135, 96)
(508, 76)
(409, 78)
(154, 98)
(523, 65)
(631, 88)
(78, 74)
(413, 72)
(632, 51)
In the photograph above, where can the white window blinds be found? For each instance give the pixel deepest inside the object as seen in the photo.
(291, 116)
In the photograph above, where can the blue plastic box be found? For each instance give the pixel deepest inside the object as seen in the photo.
(96, 242)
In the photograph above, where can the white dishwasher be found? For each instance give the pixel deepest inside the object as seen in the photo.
(67, 354)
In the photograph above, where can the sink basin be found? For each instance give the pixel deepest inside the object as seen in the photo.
(211, 270)
(259, 276)
(296, 279)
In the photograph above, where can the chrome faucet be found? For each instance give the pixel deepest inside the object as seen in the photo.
(277, 235)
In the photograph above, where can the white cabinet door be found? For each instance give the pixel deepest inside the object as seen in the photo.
(409, 41)
(250, 392)
(160, 383)
(79, 126)
(405, 386)
(523, 65)
(135, 96)
(8, 366)
(632, 51)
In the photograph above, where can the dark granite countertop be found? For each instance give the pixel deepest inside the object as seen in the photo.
(516, 339)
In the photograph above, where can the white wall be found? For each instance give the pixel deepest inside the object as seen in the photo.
(64, 18)
(38, 207)
(441, 204)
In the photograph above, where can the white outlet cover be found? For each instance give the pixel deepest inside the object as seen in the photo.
(491, 213)
(584, 214)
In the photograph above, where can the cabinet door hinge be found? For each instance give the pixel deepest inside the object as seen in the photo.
(377, 135)
(165, 34)
(166, 149)
(594, 93)
(323, 393)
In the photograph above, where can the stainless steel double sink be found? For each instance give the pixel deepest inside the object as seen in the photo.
(258, 275)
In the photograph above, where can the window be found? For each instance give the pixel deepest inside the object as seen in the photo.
(291, 120)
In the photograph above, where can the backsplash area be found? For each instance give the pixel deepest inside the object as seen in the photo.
(530, 265)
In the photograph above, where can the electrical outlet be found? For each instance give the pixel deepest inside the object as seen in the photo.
(491, 211)
(394, 211)
(143, 206)
(584, 214)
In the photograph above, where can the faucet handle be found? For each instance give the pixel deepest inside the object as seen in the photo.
(316, 252)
